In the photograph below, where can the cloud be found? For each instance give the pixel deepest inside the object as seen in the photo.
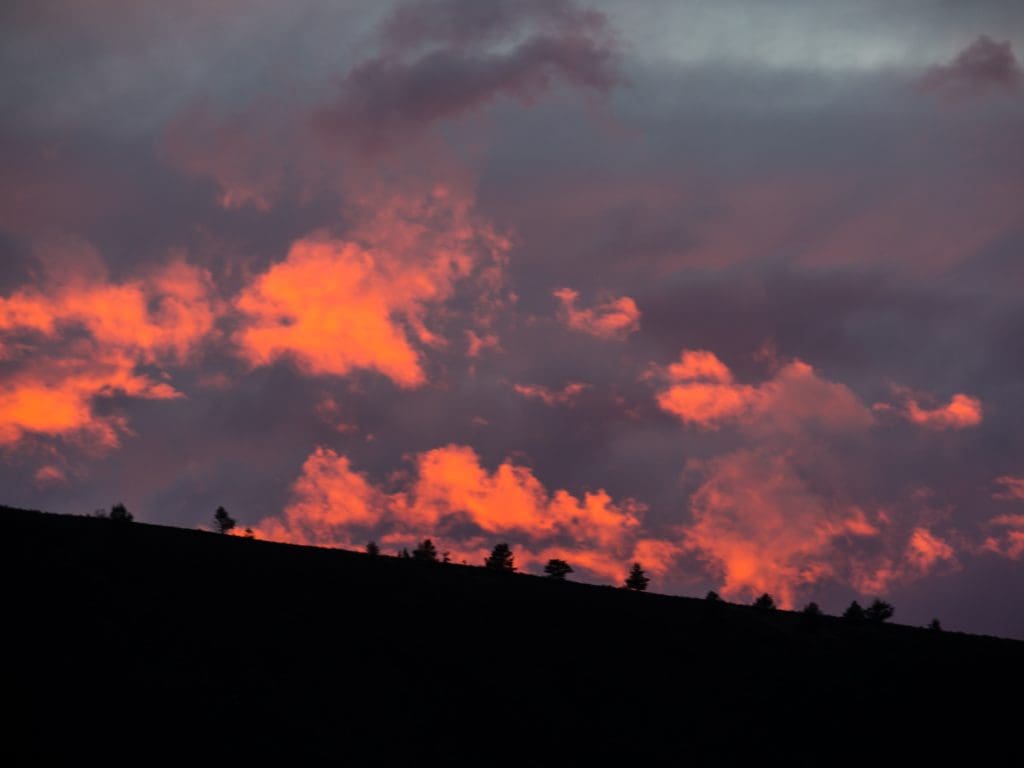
(333, 305)
(961, 412)
(1009, 539)
(429, 71)
(614, 319)
(452, 498)
(758, 524)
(81, 337)
(552, 397)
(786, 510)
(1012, 488)
(705, 395)
(983, 67)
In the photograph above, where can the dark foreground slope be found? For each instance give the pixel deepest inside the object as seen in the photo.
(142, 643)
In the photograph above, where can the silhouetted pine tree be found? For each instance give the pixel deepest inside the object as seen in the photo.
(222, 520)
(810, 617)
(637, 579)
(713, 597)
(879, 611)
(249, 533)
(935, 625)
(120, 513)
(425, 552)
(501, 559)
(372, 549)
(854, 614)
(557, 569)
(765, 602)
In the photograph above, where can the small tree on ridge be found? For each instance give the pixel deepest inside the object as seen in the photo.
(501, 559)
(222, 520)
(557, 569)
(637, 579)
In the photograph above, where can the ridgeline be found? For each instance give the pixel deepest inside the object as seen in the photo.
(130, 642)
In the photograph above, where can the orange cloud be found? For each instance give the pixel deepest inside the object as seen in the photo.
(81, 337)
(960, 412)
(551, 397)
(451, 493)
(613, 319)
(334, 306)
(1009, 541)
(1012, 488)
(704, 394)
(757, 524)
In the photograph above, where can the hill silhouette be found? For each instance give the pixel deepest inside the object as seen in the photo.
(133, 643)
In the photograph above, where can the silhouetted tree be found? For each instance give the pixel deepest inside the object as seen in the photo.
(372, 549)
(446, 556)
(879, 611)
(222, 520)
(501, 559)
(854, 614)
(765, 602)
(935, 625)
(713, 597)
(426, 552)
(249, 534)
(637, 579)
(119, 513)
(810, 617)
(404, 554)
(557, 569)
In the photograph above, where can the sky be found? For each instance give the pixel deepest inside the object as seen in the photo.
(732, 289)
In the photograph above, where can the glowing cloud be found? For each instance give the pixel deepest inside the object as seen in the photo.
(1012, 488)
(614, 319)
(704, 394)
(552, 397)
(334, 306)
(757, 523)
(453, 498)
(961, 412)
(81, 337)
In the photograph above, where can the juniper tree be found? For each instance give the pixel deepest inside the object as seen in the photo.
(637, 579)
(765, 602)
(557, 569)
(425, 552)
(222, 520)
(854, 614)
(501, 559)
(120, 513)
(879, 611)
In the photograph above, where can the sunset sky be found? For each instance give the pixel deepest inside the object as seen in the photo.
(732, 288)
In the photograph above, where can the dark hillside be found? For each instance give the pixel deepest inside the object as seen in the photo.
(142, 643)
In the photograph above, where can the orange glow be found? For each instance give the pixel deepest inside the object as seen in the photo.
(699, 365)
(552, 397)
(925, 549)
(335, 306)
(705, 395)
(1012, 488)
(960, 412)
(764, 530)
(613, 319)
(160, 317)
(1010, 542)
(332, 504)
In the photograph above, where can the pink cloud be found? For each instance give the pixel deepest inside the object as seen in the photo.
(613, 319)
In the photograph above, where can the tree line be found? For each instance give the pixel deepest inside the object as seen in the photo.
(502, 559)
